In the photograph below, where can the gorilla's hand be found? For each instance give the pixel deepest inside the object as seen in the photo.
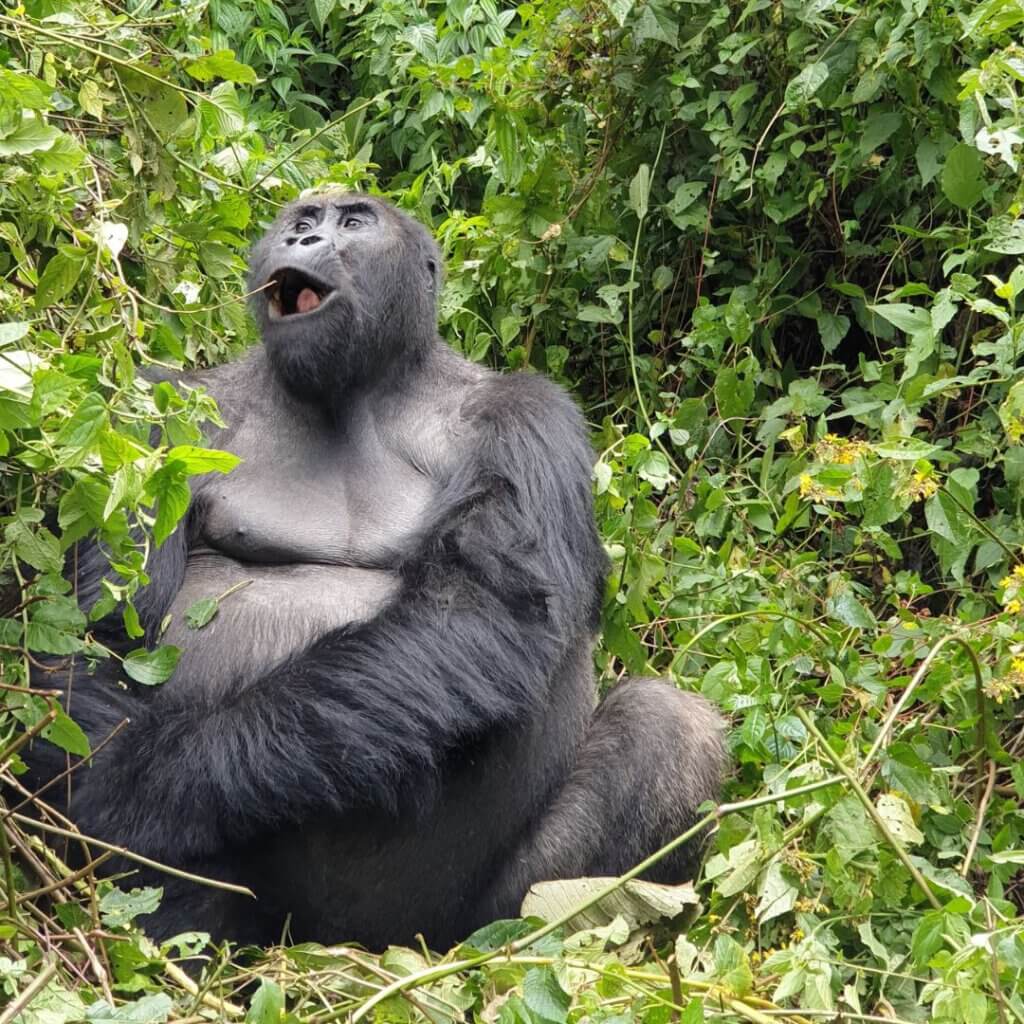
(506, 579)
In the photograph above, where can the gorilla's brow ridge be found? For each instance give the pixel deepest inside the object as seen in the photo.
(358, 206)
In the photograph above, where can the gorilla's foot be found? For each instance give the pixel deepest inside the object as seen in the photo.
(651, 757)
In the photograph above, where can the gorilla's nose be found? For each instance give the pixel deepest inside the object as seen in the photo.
(304, 240)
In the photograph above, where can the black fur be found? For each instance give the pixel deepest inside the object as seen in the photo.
(412, 764)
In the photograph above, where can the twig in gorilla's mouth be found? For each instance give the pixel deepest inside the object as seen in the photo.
(293, 292)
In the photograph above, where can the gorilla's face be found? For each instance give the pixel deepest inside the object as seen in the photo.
(346, 287)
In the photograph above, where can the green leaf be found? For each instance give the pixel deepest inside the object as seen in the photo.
(222, 64)
(909, 319)
(90, 98)
(545, 996)
(928, 163)
(899, 819)
(41, 636)
(640, 190)
(21, 90)
(844, 606)
(59, 277)
(962, 180)
(905, 449)
(118, 908)
(172, 494)
(35, 545)
(12, 332)
(777, 894)
(946, 519)
(803, 87)
(591, 314)
(218, 260)
(506, 139)
(737, 870)
(637, 903)
(152, 667)
(222, 112)
(832, 329)
(734, 392)
(151, 1009)
(322, 10)
(497, 935)
(657, 22)
(166, 109)
(68, 735)
(880, 127)
(200, 612)
(620, 9)
(202, 460)
(85, 425)
(267, 1005)
(929, 937)
(31, 136)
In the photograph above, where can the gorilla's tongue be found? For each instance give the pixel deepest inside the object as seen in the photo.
(307, 300)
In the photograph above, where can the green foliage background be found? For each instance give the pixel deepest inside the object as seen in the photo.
(776, 250)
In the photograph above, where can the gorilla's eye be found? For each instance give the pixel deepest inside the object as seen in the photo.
(352, 222)
(303, 226)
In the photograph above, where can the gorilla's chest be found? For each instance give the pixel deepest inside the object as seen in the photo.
(301, 538)
(322, 505)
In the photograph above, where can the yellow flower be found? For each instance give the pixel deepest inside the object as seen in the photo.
(806, 484)
(1005, 582)
(921, 485)
(1013, 606)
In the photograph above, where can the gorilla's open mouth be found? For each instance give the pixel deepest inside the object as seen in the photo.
(292, 292)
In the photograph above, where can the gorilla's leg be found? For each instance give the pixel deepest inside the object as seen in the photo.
(651, 757)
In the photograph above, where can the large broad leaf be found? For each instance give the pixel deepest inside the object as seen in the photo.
(68, 735)
(806, 84)
(221, 64)
(842, 604)
(962, 180)
(203, 460)
(30, 136)
(118, 908)
(620, 9)
(152, 1009)
(166, 109)
(545, 997)
(222, 112)
(637, 902)
(59, 277)
(640, 190)
(152, 667)
(909, 319)
(267, 1006)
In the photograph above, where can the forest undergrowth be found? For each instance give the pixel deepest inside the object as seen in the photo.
(776, 249)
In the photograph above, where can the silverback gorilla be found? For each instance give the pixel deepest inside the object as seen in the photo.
(390, 728)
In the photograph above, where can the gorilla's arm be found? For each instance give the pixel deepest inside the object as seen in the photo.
(497, 591)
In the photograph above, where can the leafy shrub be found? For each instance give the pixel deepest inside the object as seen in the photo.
(775, 249)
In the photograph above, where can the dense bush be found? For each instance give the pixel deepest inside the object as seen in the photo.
(775, 249)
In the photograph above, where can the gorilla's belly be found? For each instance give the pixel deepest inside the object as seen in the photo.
(276, 611)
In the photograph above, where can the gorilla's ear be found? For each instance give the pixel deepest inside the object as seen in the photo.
(432, 273)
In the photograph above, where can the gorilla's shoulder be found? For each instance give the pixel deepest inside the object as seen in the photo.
(526, 399)
(531, 424)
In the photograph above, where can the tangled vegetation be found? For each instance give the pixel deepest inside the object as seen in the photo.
(777, 250)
